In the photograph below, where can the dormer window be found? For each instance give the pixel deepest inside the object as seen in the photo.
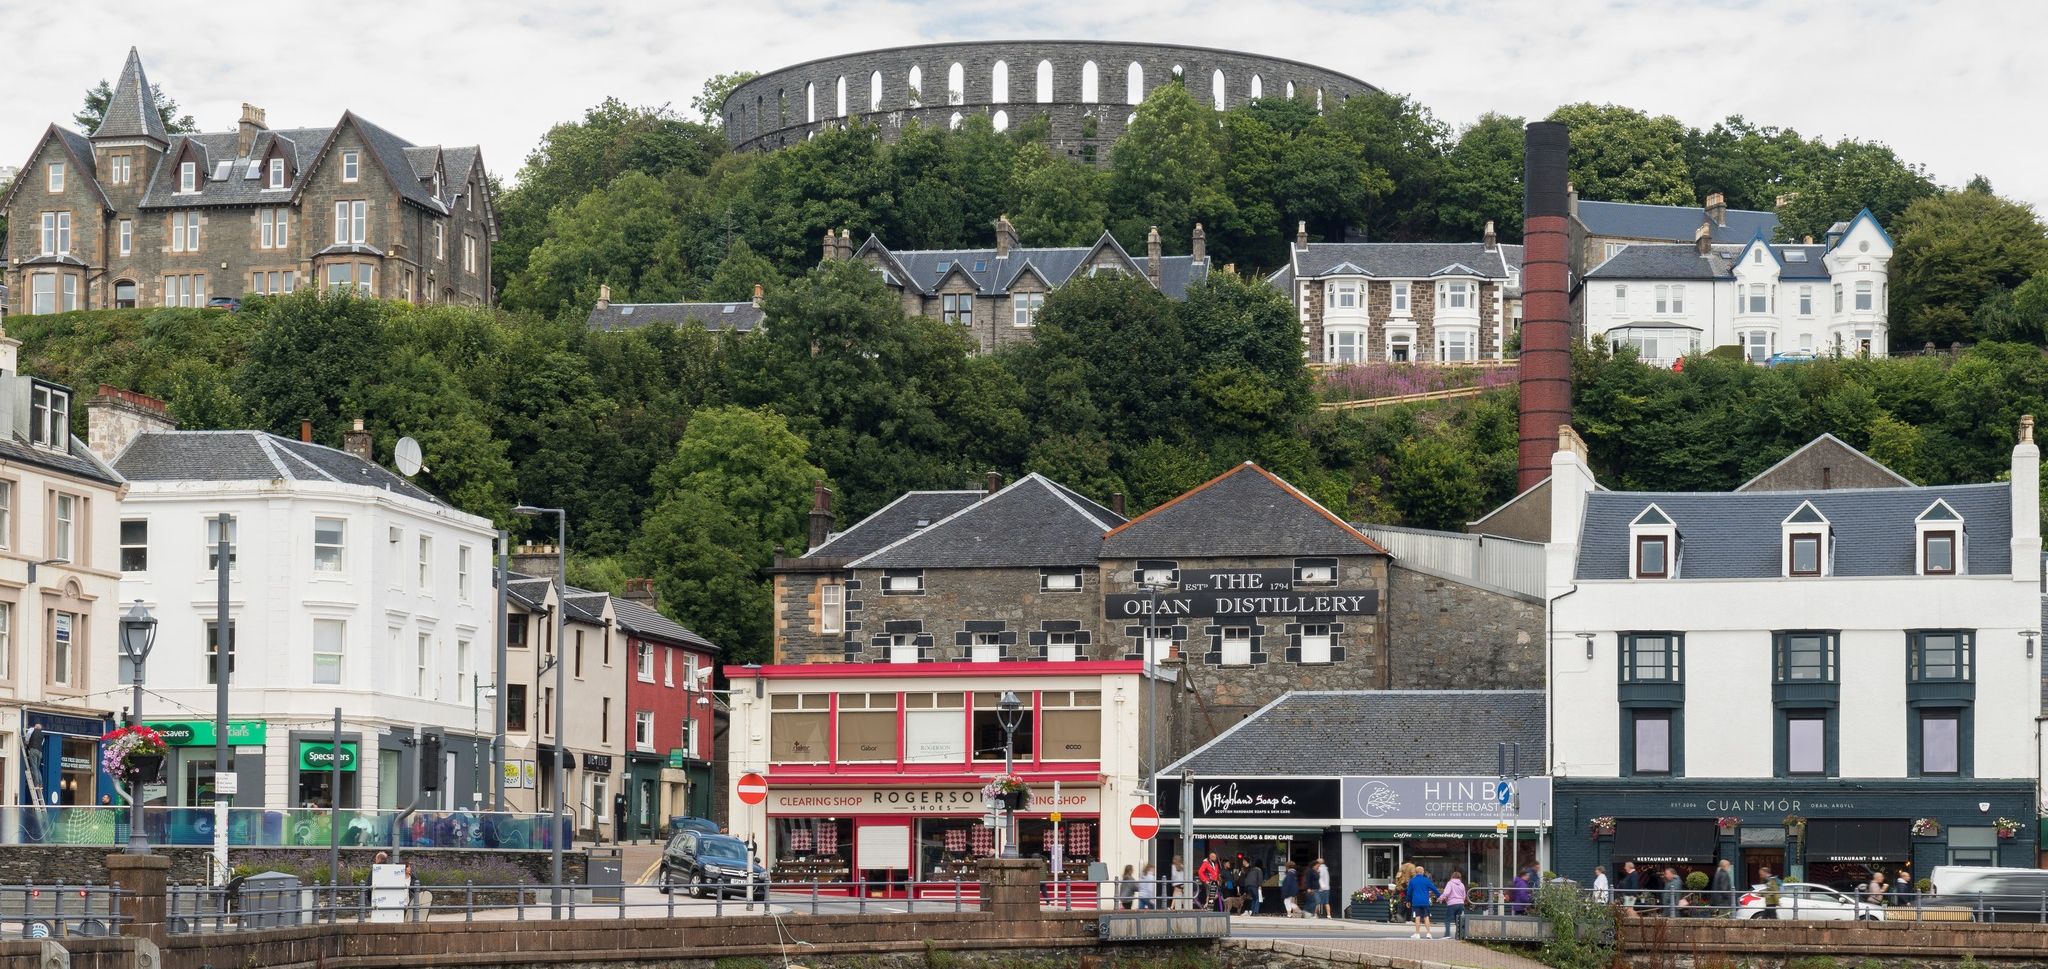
(277, 173)
(1941, 539)
(49, 417)
(1806, 534)
(1320, 571)
(188, 177)
(1653, 545)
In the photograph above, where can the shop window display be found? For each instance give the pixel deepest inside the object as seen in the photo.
(988, 730)
(947, 848)
(812, 850)
(1079, 840)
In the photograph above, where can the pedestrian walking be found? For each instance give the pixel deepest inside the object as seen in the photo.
(1402, 911)
(1290, 892)
(1127, 889)
(1902, 886)
(1421, 895)
(1631, 882)
(1601, 890)
(1673, 888)
(1177, 889)
(1722, 887)
(1454, 905)
(1148, 888)
(1772, 888)
(1322, 883)
(1254, 888)
(1875, 891)
(1519, 895)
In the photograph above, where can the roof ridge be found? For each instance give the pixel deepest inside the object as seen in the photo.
(269, 451)
(1059, 491)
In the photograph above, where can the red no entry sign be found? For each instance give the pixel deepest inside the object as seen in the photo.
(1144, 821)
(752, 788)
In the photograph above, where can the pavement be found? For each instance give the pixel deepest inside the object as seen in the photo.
(1400, 952)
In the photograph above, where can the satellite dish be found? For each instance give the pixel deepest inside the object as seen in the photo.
(407, 454)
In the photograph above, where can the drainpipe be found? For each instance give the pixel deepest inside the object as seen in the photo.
(1549, 683)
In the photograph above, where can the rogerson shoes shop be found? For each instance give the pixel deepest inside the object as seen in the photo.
(1829, 832)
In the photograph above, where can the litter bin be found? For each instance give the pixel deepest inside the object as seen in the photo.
(606, 876)
(269, 900)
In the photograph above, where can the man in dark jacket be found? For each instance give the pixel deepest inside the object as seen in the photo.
(1253, 881)
(1721, 887)
(1631, 882)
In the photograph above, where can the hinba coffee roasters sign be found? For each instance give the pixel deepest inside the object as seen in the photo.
(1242, 592)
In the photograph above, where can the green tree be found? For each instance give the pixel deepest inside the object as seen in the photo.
(99, 95)
(738, 273)
(709, 101)
(1167, 170)
(312, 360)
(1059, 202)
(627, 235)
(1403, 145)
(1954, 251)
(1853, 175)
(2019, 314)
(1483, 181)
(1624, 155)
(1434, 485)
(1749, 165)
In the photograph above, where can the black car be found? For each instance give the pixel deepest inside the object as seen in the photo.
(703, 863)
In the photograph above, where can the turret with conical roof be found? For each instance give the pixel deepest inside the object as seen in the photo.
(131, 112)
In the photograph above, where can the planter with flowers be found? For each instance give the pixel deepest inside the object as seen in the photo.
(1795, 826)
(2008, 829)
(1603, 827)
(133, 754)
(1727, 825)
(1926, 828)
(1007, 790)
(1373, 903)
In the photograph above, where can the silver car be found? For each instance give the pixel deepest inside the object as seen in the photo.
(1807, 901)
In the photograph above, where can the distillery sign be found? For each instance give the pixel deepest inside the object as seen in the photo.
(1242, 592)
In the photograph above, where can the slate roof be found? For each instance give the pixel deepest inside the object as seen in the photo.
(1337, 733)
(529, 591)
(1033, 522)
(642, 621)
(1245, 511)
(1657, 260)
(910, 512)
(743, 316)
(921, 270)
(585, 605)
(1827, 442)
(1676, 223)
(226, 179)
(1400, 260)
(78, 460)
(131, 112)
(252, 456)
(1738, 535)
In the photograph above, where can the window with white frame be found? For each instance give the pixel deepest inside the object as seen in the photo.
(1456, 295)
(350, 222)
(1317, 640)
(329, 641)
(1156, 572)
(1315, 571)
(1062, 647)
(1343, 344)
(1401, 297)
(6, 640)
(56, 236)
(329, 542)
(468, 253)
(1620, 298)
(903, 582)
(440, 241)
(426, 563)
(1941, 540)
(127, 236)
(1344, 296)
(1157, 645)
(1059, 580)
(49, 416)
(348, 276)
(185, 232)
(188, 177)
(984, 647)
(273, 228)
(691, 677)
(1757, 345)
(463, 554)
(120, 168)
(690, 739)
(643, 661)
(1757, 298)
(269, 283)
(1456, 344)
(1237, 646)
(423, 663)
(668, 666)
(63, 651)
(1805, 301)
(64, 528)
(6, 514)
(902, 648)
(277, 173)
(213, 543)
(213, 650)
(1653, 543)
(134, 544)
(1612, 249)
(42, 295)
(643, 730)
(1865, 297)
(1806, 533)
(56, 177)
(831, 608)
(351, 167)
(1024, 308)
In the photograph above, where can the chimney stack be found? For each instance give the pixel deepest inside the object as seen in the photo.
(1116, 503)
(1199, 246)
(757, 296)
(1806, 240)
(642, 592)
(1546, 348)
(831, 250)
(1301, 233)
(1571, 199)
(357, 441)
(305, 431)
(251, 125)
(821, 515)
(116, 417)
(1152, 255)
(535, 560)
(1006, 236)
(1717, 209)
(992, 482)
(2026, 504)
(1490, 237)
(845, 243)
(604, 295)
(1703, 238)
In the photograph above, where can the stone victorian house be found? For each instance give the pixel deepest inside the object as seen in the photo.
(131, 215)
(996, 293)
(1404, 302)
(1241, 589)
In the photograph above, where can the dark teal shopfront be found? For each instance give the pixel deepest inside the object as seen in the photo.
(1833, 832)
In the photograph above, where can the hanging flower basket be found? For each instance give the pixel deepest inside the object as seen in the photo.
(1727, 825)
(1007, 790)
(2008, 829)
(133, 753)
(1602, 827)
(1795, 825)
(1926, 828)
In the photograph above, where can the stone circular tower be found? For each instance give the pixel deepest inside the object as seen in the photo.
(1086, 90)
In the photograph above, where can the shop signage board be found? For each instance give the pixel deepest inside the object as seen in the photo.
(199, 733)
(1450, 798)
(598, 763)
(905, 801)
(675, 758)
(319, 755)
(1255, 798)
(1242, 592)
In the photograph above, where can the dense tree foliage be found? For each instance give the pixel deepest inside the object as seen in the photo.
(1956, 251)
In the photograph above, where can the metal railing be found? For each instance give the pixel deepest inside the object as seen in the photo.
(107, 826)
(58, 910)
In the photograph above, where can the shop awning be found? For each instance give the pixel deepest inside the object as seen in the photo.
(1858, 839)
(1664, 840)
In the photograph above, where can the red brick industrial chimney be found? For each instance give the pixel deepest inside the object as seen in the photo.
(1546, 327)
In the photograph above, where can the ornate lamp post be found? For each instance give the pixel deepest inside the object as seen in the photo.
(1010, 714)
(138, 635)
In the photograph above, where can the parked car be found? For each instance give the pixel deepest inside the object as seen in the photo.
(1993, 894)
(703, 863)
(229, 303)
(1783, 357)
(676, 825)
(1807, 901)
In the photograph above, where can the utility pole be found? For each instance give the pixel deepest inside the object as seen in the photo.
(498, 737)
(224, 649)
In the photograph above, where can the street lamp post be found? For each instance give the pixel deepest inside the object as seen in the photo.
(138, 635)
(561, 750)
(1009, 713)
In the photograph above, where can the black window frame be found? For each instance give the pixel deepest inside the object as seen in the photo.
(889, 575)
(1918, 751)
(1830, 657)
(1965, 663)
(1329, 562)
(1672, 724)
(1045, 576)
(1674, 653)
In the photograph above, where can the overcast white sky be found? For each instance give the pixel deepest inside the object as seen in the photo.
(1956, 85)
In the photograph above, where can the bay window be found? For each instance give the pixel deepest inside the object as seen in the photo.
(1456, 344)
(1343, 345)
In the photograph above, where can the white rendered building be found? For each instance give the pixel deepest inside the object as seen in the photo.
(1671, 299)
(350, 587)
